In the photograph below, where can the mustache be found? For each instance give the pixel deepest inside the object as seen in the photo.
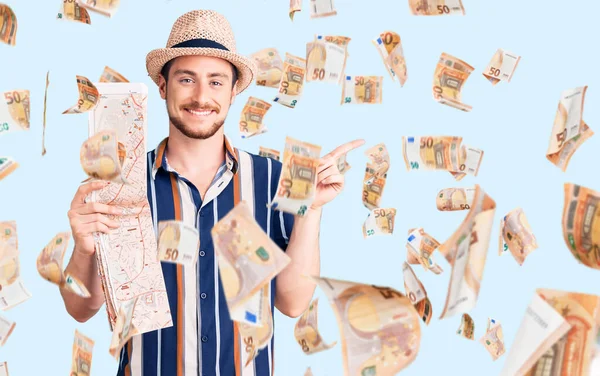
(196, 106)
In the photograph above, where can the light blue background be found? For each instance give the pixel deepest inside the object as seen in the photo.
(510, 122)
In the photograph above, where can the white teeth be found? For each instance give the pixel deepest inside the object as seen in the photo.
(200, 113)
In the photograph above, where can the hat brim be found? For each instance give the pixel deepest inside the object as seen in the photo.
(246, 67)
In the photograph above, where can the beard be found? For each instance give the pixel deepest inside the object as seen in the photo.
(198, 134)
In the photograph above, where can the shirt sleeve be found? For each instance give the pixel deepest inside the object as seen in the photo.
(282, 223)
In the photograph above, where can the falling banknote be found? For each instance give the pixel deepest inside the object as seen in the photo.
(251, 119)
(373, 185)
(269, 67)
(71, 10)
(493, 339)
(389, 46)
(448, 79)
(88, 97)
(14, 111)
(441, 153)
(256, 336)
(559, 330)
(44, 114)
(13, 291)
(82, 355)
(307, 333)
(50, 265)
(379, 158)
(308, 372)
(124, 328)
(436, 7)
(104, 7)
(102, 157)
(362, 89)
(569, 130)
(581, 224)
(326, 59)
(298, 180)
(419, 248)
(466, 251)
(379, 327)
(292, 80)
(295, 6)
(6, 329)
(111, 75)
(451, 199)
(375, 175)
(502, 67)
(7, 166)
(269, 153)
(8, 25)
(9, 240)
(342, 165)
(322, 8)
(467, 327)
(4, 369)
(416, 293)
(178, 242)
(379, 222)
(248, 260)
(516, 235)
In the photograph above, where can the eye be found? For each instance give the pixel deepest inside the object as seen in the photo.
(216, 83)
(186, 80)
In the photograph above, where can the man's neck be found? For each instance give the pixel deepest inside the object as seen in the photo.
(193, 157)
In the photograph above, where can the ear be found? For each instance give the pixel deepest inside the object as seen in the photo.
(162, 86)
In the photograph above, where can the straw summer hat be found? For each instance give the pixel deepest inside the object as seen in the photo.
(202, 33)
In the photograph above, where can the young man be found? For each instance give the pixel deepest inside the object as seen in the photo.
(196, 176)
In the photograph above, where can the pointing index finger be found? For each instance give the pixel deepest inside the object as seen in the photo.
(345, 148)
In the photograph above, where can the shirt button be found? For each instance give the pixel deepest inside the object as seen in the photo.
(204, 339)
(202, 253)
(203, 295)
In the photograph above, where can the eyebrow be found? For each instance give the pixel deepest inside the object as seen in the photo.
(193, 74)
(218, 74)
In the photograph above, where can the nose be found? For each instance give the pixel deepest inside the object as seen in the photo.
(201, 92)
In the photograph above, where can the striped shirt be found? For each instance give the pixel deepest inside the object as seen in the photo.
(203, 340)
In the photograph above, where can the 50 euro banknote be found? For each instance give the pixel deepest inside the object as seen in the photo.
(449, 78)
(441, 153)
(501, 67)
(581, 224)
(436, 7)
(569, 131)
(559, 329)
(362, 89)
(390, 49)
(379, 327)
(8, 25)
(269, 67)
(326, 58)
(466, 250)
(298, 180)
(14, 111)
(307, 333)
(292, 81)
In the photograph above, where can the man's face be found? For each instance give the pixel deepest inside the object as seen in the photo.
(198, 94)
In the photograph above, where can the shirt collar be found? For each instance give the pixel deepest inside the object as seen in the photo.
(160, 159)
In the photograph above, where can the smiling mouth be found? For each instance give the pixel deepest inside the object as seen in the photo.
(199, 113)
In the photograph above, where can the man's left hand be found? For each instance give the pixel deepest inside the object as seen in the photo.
(330, 181)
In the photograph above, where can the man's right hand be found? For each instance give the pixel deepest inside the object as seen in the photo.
(87, 218)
